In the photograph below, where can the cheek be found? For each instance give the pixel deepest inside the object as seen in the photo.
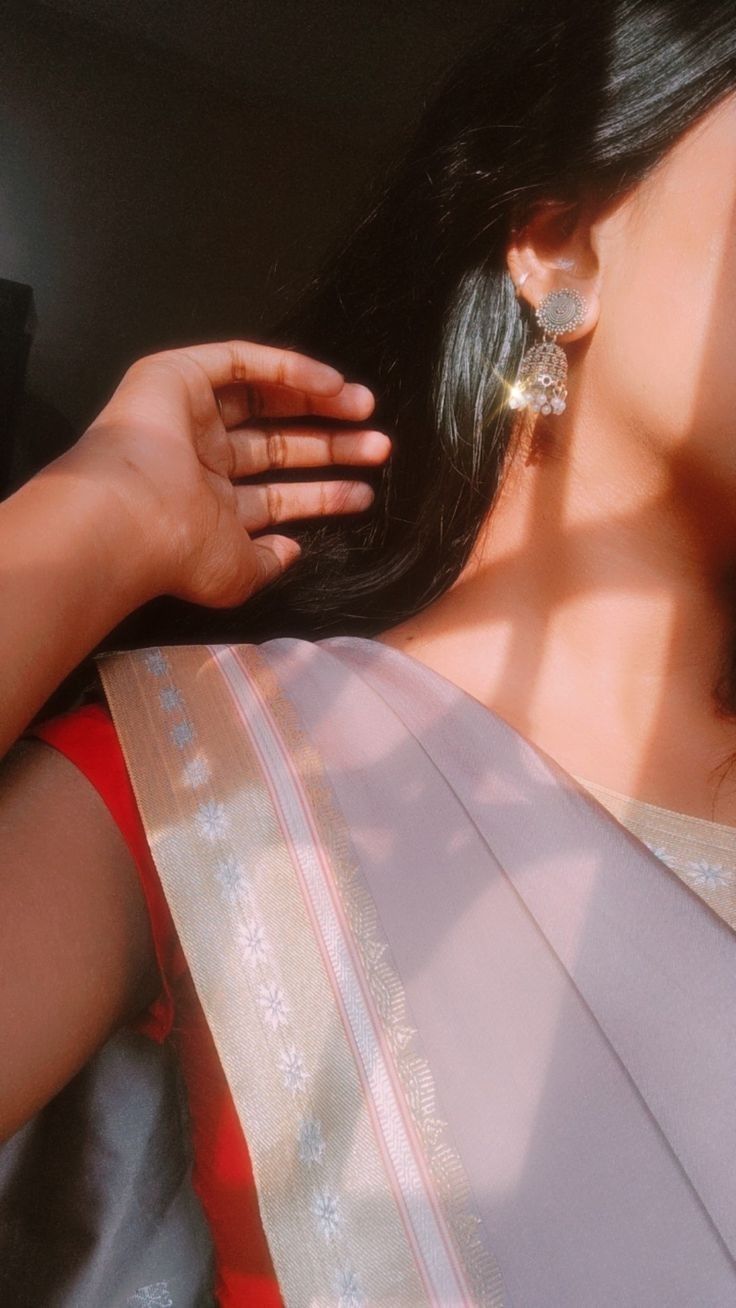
(666, 338)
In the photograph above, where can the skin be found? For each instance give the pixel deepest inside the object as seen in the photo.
(592, 614)
(149, 501)
(146, 503)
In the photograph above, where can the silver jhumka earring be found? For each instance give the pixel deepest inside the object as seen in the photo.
(541, 384)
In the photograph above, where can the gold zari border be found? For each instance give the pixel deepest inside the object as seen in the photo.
(371, 1244)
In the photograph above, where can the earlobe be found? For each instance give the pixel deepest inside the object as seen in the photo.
(551, 251)
(552, 296)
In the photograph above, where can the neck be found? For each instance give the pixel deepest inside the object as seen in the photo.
(595, 594)
(595, 554)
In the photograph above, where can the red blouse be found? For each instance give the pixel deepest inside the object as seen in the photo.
(222, 1172)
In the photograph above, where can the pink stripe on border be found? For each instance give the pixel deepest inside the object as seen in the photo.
(388, 1162)
(373, 1015)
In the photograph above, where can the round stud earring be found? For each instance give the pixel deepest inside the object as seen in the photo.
(542, 381)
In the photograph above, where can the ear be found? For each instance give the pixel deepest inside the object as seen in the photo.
(554, 249)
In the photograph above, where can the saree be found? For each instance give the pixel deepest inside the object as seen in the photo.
(479, 1037)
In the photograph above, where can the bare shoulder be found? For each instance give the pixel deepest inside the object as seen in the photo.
(76, 957)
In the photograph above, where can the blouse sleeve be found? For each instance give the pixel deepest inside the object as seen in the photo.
(87, 737)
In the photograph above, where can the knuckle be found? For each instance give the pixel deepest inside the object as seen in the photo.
(239, 363)
(274, 501)
(276, 447)
(280, 373)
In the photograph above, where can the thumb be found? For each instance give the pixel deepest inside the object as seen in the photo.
(273, 555)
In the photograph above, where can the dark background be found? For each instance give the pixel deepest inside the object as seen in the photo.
(173, 170)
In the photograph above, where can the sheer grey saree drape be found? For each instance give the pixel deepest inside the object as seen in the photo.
(480, 1038)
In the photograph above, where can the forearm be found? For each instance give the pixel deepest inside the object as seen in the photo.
(71, 568)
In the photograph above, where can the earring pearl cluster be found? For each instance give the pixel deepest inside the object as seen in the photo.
(542, 381)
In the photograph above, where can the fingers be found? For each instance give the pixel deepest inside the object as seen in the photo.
(256, 450)
(238, 404)
(260, 506)
(231, 361)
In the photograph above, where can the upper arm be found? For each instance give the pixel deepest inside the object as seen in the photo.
(76, 954)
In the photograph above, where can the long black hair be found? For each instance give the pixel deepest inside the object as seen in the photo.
(560, 100)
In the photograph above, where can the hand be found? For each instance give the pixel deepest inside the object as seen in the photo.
(183, 424)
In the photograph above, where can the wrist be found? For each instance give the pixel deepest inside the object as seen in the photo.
(92, 527)
(72, 574)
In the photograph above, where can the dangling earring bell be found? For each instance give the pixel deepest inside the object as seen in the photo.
(541, 384)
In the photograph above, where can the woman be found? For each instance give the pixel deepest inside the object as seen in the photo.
(426, 868)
